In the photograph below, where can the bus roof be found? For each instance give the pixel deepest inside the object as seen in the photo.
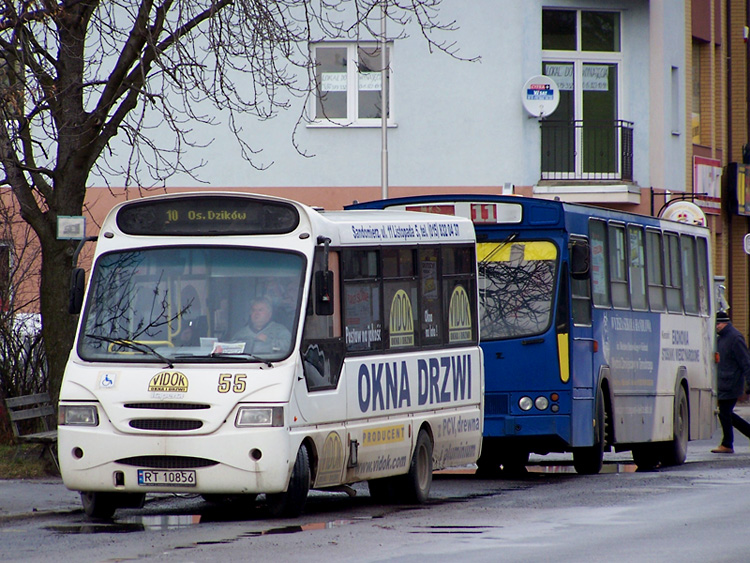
(486, 210)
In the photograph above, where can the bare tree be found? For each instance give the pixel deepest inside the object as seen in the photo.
(76, 73)
(22, 360)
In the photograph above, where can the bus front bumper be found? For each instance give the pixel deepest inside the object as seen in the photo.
(240, 462)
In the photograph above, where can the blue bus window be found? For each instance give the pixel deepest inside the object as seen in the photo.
(654, 255)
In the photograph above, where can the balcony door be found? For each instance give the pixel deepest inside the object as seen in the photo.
(581, 139)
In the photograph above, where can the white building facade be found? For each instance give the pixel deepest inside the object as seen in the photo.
(459, 125)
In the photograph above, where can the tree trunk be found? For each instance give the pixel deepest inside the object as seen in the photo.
(58, 326)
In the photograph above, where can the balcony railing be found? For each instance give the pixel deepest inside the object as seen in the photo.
(587, 149)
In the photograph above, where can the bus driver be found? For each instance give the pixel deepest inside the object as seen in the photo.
(261, 334)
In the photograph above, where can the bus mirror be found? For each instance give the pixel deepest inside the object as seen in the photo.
(579, 260)
(77, 286)
(324, 293)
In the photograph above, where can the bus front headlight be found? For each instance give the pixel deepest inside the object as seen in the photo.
(78, 415)
(259, 416)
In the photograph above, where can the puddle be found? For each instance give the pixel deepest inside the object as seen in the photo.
(454, 529)
(130, 524)
(301, 528)
(569, 469)
(172, 522)
(96, 529)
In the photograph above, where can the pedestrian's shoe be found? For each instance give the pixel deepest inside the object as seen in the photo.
(723, 450)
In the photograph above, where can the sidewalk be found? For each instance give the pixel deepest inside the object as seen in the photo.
(21, 498)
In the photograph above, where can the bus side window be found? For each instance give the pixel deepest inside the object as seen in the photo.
(430, 311)
(704, 292)
(322, 342)
(617, 267)
(579, 285)
(459, 294)
(599, 263)
(655, 269)
(361, 300)
(672, 274)
(637, 268)
(689, 274)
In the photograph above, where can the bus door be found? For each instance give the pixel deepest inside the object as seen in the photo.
(579, 341)
(321, 392)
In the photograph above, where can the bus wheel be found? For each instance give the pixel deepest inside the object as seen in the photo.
(415, 485)
(588, 461)
(675, 451)
(291, 503)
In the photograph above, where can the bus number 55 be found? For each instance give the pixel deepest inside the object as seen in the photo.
(225, 383)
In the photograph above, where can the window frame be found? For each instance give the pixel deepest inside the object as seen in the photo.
(672, 274)
(636, 263)
(655, 270)
(352, 118)
(601, 293)
(619, 288)
(465, 274)
(690, 278)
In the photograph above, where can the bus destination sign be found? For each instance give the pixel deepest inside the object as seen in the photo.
(207, 215)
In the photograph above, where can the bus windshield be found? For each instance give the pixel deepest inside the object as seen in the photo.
(516, 288)
(202, 304)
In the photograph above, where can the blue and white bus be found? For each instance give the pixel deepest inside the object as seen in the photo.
(597, 328)
(233, 344)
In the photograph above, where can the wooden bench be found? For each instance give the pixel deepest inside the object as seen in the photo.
(28, 415)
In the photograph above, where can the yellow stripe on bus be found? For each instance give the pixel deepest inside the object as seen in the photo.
(501, 252)
(563, 355)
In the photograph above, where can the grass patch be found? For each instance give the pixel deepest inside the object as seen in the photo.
(25, 461)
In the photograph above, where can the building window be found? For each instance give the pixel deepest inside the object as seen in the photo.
(582, 138)
(348, 84)
(696, 113)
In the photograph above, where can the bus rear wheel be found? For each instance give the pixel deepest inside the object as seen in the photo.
(675, 451)
(415, 485)
(291, 503)
(589, 460)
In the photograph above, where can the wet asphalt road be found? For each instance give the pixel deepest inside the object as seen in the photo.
(695, 512)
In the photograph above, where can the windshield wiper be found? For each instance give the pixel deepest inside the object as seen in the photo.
(500, 245)
(241, 355)
(133, 345)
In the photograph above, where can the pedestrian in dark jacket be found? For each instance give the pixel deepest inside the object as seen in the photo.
(734, 371)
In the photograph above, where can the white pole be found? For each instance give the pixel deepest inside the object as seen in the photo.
(384, 104)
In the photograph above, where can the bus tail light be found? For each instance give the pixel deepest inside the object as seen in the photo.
(259, 416)
(78, 415)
